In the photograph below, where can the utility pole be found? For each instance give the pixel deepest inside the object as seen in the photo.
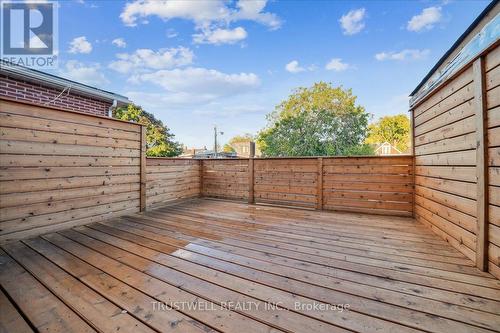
(215, 139)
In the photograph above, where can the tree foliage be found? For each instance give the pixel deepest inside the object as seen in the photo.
(318, 121)
(159, 140)
(392, 129)
(229, 147)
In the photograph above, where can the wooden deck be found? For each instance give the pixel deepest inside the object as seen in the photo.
(231, 267)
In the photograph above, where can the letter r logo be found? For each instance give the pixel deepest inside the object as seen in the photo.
(27, 28)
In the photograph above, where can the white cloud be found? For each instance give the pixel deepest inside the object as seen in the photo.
(119, 42)
(253, 10)
(352, 22)
(87, 74)
(294, 67)
(143, 59)
(406, 54)
(200, 11)
(196, 86)
(80, 45)
(312, 68)
(206, 82)
(171, 33)
(191, 89)
(211, 17)
(220, 36)
(337, 65)
(180, 100)
(425, 20)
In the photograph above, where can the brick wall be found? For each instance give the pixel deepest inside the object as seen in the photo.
(36, 93)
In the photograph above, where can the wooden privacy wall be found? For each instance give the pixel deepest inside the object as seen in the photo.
(377, 185)
(225, 178)
(457, 158)
(59, 169)
(286, 181)
(492, 88)
(380, 185)
(170, 179)
(445, 163)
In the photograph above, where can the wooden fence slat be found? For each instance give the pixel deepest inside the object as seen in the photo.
(251, 181)
(143, 169)
(201, 178)
(482, 164)
(62, 168)
(413, 164)
(320, 184)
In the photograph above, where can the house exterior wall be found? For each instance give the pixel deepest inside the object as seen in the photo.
(20, 90)
(243, 149)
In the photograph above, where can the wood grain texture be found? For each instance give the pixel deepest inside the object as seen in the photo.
(251, 179)
(492, 230)
(457, 157)
(170, 180)
(319, 189)
(59, 168)
(143, 171)
(395, 274)
(445, 163)
(482, 164)
(365, 184)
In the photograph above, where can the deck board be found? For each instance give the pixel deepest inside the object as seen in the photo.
(11, 319)
(394, 274)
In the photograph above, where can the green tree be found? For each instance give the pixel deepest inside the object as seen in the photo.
(228, 148)
(159, 140)
(247, 137)
(392, 129)
(318, 121)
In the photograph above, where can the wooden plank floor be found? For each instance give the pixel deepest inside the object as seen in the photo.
(218, 266)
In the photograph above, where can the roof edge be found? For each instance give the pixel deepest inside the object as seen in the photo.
(455, 45)
(47, 79)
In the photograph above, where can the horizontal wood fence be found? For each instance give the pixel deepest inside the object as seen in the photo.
(286, 181)
(377, 185)
(382, 185)
(225, 178)
(457, 156)
(59, 169)
(170, 179)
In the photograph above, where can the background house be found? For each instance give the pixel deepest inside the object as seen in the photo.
(28, 85)
(386, 149)
(242, 149)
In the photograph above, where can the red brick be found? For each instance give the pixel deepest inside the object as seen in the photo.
(32, 92)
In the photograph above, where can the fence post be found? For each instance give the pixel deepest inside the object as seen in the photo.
(319, 203)
(201, 178)
(413, 166)
(143, 173)
(481, 164)
(251, 196)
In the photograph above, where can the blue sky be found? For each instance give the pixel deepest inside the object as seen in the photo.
(198, 63)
